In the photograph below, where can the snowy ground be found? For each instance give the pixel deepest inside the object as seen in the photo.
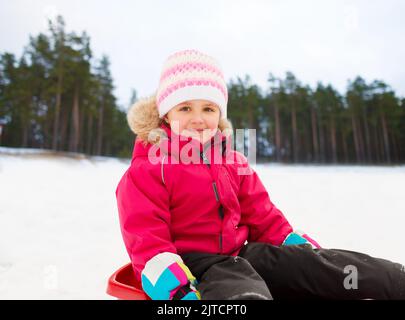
(60, 237)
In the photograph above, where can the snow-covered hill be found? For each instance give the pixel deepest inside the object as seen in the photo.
(60, 236)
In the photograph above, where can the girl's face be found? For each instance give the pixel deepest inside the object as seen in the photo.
(198, 119)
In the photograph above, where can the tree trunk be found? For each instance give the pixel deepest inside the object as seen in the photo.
(47, 142)
(294, 133)
(356, 139)
(385, 138)
(55, 135)
(25, 122)
(400, 149)
(74, 132)
(333, 139)
(367, 136)
(361, 140)
(100, 129)
(64, 130)
(345, 148)
(381, 142)
(322, 153)
(376, 146)
(81, 146)
(277, 133)
(24, 142)
(314, 135)
(395, 147)
(306, 150)
(107, 148)
(89, 134)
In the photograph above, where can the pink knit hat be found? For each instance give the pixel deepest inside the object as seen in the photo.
(190, 75)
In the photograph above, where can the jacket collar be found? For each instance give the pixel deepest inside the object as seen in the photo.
(181, 149)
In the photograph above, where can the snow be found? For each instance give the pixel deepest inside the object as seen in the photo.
(60, 236)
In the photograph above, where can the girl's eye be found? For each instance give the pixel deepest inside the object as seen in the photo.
(209, 109)
(184, 108)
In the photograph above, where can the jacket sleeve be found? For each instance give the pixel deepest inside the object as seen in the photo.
(265, 221)
(143, 207)
(144, 212)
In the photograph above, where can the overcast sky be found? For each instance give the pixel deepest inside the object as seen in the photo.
(329, 41)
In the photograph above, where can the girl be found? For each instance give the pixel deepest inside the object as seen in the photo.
(197, 221)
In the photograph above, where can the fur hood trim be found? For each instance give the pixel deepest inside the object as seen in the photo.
(143, 119)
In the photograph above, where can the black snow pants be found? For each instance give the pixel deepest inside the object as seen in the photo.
(264, 271)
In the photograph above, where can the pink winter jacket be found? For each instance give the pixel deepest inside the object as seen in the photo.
(170, 203)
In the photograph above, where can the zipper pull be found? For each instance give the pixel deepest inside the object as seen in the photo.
(221, 213)
(220, 209)
(214, 185)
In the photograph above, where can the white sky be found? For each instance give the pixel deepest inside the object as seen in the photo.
(329, 41)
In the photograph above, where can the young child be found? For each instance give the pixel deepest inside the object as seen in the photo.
(197, 221)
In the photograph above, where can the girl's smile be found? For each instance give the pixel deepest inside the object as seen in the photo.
(198, 119)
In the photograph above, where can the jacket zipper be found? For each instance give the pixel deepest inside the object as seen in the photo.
(220, 209)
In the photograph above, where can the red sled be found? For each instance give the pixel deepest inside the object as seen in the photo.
(122, 285)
